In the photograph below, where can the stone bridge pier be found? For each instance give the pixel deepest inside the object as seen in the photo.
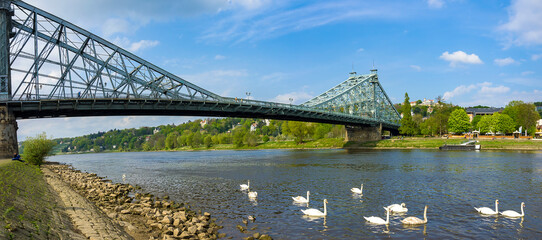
(8, 133)
(363, 133)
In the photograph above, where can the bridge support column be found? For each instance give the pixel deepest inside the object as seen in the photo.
(8, 133)
(363, 133)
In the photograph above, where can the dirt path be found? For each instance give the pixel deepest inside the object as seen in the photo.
(86, 217)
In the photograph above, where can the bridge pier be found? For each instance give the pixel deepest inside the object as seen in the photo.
(363, 133)
(8, 133)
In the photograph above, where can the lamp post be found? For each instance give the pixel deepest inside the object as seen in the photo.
(248, 95)
(291, 100)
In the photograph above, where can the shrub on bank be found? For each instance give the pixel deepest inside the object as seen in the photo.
(37, 148)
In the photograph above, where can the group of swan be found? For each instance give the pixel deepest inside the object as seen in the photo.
(508, 213)
(252, 195)
(401, 208)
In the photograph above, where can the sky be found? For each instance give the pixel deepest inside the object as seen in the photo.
(469, 52)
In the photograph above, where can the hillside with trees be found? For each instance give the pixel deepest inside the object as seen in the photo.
(199, 134)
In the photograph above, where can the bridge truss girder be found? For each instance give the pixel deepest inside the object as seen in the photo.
(359, 95)
(51, 58)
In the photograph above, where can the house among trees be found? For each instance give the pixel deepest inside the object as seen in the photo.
(473, 111)
(538, 133)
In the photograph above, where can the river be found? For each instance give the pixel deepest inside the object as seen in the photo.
(450, 183)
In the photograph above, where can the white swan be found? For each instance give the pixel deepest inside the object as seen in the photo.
(301, 199)
(415, 220)
(489, 211)
(252, 194)
(378, 220)
(396, 208)
(245, 186)
(315, 212)
(357, 190)
(514, 214)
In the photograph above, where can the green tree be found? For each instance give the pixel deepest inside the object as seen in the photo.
(486, 124)
(523, 114)
(408, 127)
(458, 121)
(207, 141)
(37, 148)
(299, 130)
(503, 123)
(251, 139)
(171, 140)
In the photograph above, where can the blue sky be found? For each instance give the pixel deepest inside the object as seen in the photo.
(469, 52)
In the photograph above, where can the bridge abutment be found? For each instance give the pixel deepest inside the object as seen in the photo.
(8, 133)
(363, 133)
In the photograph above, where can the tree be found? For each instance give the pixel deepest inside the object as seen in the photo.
(503, 123)
(207, 141)
(407, 124)
(298, 130)
(171, 140)
(458, 121)
(37, 148)
(523, 114)
(486, 124)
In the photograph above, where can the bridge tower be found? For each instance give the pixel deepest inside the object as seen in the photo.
(8, 125)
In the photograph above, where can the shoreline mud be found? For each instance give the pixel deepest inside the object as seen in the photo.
(105, 210)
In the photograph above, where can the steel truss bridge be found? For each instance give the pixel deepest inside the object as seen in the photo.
(50, 67)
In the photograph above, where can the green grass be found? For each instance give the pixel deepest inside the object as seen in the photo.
(431, 143)
(26, 202)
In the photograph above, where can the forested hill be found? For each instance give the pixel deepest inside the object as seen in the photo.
(200, 133)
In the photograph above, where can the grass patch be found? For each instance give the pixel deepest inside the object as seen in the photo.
(431, 143)
(26, 203)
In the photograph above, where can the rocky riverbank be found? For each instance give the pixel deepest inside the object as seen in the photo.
(142, 215)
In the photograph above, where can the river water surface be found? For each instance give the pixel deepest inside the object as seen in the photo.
(450, 183)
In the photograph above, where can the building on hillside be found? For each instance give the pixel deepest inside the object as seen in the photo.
(538, 133)
(472, 112)
(267, 122)
(156, 130)
(253, 126)
(425, 102)
(203, 123)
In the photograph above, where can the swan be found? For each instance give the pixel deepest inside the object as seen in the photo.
(378, 220)
(415, 220)
(396, 208)
(252, 194)
(513, 214)
(489, 211)
(245, 186)
(301, 199)
(315, 212)
(357, 190)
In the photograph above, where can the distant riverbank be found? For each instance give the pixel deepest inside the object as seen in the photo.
(434, 143)
(395, 143)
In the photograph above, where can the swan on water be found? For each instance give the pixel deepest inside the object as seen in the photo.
(489, 211)
(514, 214)
(301, 199)
(357, 190)
(396, 208)
(245, 186)
(252, 194)
(415, 220)
(315, 212)
(378, 220)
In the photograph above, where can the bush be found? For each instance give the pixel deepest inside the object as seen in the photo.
(37, 148)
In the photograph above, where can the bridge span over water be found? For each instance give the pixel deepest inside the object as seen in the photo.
(97, 78)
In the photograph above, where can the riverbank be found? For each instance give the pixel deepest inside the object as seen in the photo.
(58, 202)
(30, 208)
(434, 143)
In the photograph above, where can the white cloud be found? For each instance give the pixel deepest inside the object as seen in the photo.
(504, 61)
(460, 57)
(134, 46)
(524, 24)
(416, 67)
(297, 97)
(435, 3)
(480, 94)
(219, 57)
(527, 73)
(361, 50)
(283, 17)
(535, 57)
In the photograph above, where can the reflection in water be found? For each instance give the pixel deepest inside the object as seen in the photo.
(451, 182)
